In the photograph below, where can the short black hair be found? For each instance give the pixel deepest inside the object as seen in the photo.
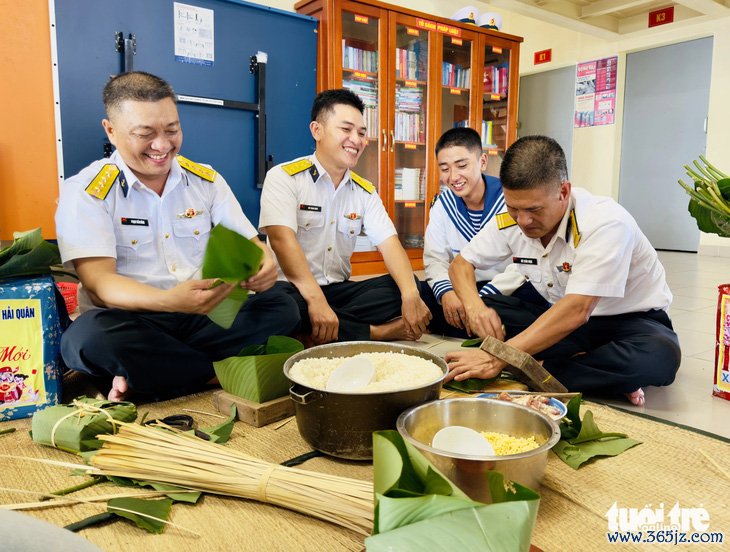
(460, 136)
(533, 162)
(325, 102)
(137, 86)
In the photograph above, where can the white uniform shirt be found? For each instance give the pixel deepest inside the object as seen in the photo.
(150, 236)
(450, 229)
(326, 221)
(602, 253)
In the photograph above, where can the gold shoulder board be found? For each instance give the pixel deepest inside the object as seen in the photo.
(295, 167)
(504, 220)
(101, 184)
(363, 183)
(197, 169)
(574, 229)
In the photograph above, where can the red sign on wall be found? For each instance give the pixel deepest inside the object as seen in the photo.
(543, 56)
(661, 17)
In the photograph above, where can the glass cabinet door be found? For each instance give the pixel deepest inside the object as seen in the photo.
(456, 82)
(495, 102)
(408, 135)
(361, 74)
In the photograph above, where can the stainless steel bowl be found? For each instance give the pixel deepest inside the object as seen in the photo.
(342, 424)
(418, 425)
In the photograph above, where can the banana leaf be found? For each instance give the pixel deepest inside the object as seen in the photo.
(709, 202)
(256, 373)
(126, 508)
(28, 255)
(581, 439)
(75, 426)
(175, 493)
(417, 508)
(232, 259)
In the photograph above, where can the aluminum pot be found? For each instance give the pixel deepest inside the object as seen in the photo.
(341, 424)
(418, 425)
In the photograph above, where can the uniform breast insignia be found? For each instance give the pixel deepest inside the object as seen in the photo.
(504, 220)
(352, 216)
(104, 180)
(295, 167)
(565, 267)
(362, 182)
(574, 229)
(197, 169)
(189, 213)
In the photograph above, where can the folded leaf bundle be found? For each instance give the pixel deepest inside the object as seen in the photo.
(74, 427)
(256, 373)
(28, 255)
(709, 200)
(150, 454)
(232, 259)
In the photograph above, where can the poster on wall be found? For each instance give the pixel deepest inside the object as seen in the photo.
(194, 40)
(595, 92)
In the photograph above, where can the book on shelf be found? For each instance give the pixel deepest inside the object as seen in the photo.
(455, 75)
(410, 184)
(487, 127)
(496, 79)
(367, 91)
(409, 63)
(409, 114)
(359, 59)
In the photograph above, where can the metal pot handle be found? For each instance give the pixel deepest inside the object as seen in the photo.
(302, 395)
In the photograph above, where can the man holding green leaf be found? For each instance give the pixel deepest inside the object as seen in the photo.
(135, 227)
(313, 209)
(594, 308)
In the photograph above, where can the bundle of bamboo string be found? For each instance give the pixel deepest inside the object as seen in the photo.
(166, 456)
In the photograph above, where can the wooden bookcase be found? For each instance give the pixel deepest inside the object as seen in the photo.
(418, 75)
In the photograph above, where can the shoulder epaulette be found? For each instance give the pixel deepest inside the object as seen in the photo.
(104, 180)
(574, 229)
(433, 201)
(362, 182)
(295, 167)
(197, 169)
(504, 220)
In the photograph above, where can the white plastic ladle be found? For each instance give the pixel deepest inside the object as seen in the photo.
(462, 440)
(353, 374)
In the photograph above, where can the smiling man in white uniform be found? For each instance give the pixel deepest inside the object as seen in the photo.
(313, 209)
(599, 317)
(135, 228)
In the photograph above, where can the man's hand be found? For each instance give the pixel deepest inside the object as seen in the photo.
(415, 315)
(454, 312)
(472, 363)
(196, 296)
(264, 278)
(325, 324)
(483, 321)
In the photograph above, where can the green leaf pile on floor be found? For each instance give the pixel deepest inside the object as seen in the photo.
(581, 440)
(417, 508)
(28, 255)
(232, 259)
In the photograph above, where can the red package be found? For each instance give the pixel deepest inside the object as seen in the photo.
(721, 387)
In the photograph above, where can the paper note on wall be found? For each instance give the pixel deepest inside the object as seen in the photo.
(21, 353)
(194, 34)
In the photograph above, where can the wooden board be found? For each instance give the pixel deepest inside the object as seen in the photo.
(253, 413)
(523, 365)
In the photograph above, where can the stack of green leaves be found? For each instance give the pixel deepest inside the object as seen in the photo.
(74, 427)
(417, 508)
(709, 200)
(28, 255)
(581, 440)
(256, 373)
(230, 258)
(474, 385)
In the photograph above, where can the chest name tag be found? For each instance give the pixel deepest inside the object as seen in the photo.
(524, 260)
(315, 208)
(126, 221)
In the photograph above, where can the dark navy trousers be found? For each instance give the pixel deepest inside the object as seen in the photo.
(608, 354)
(170, 354)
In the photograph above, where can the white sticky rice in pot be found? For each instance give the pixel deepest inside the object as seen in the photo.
(393, 371)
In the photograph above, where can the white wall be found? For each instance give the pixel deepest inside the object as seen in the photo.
(596, 150)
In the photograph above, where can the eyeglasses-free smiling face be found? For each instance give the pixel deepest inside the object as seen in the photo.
(461, 170)
(341, 138)
(538, 211)
(148, 136)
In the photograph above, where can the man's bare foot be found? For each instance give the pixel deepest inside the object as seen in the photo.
(119, 389)
(395, 330)
(637, 397)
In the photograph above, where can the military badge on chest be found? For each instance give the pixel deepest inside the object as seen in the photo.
(189, 213)
(565, 267)
(352, 216)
